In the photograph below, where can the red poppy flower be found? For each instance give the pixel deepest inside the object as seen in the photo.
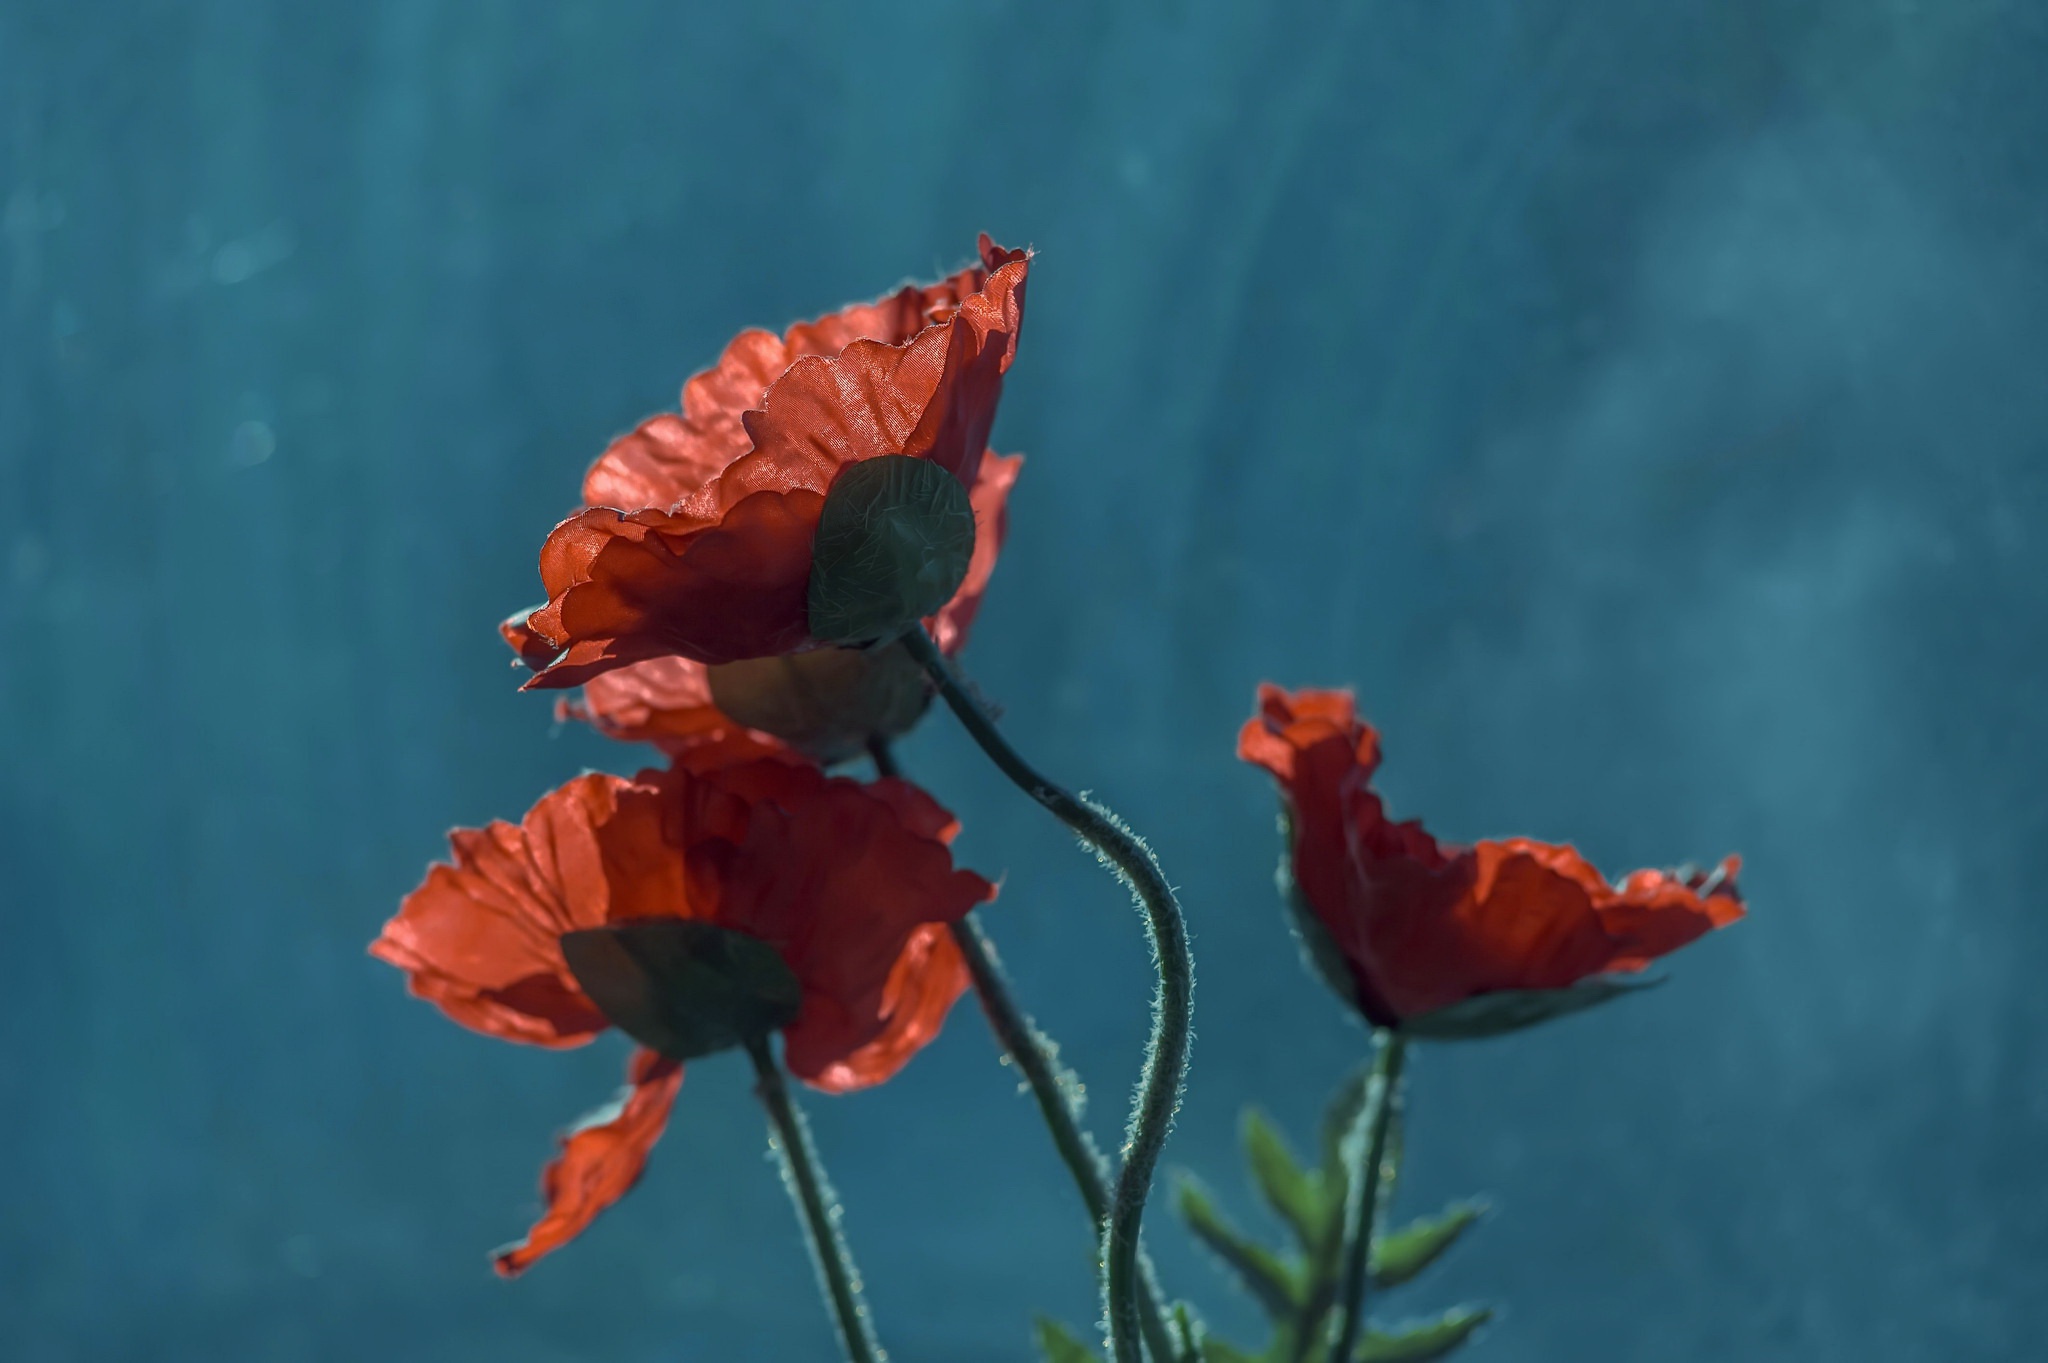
(1437, 939)
(829, 702)
(696, 537)
(850, 884)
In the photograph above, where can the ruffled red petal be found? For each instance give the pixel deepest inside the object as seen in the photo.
(1425, 925)
(675, 455)
(625, 588)
(667, 701)
(930, 975)
(990, 497)
(602, 1158)
(663, 701)
(697, 538)
(479, 936)
(841, 879)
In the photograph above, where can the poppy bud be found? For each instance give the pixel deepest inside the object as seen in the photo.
(892, 546)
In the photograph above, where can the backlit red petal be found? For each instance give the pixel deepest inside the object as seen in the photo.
(601, 1159)
(479, 936)
(623, 589)
(990, 498)
(928, 978)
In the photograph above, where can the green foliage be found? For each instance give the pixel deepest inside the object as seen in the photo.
(1295, 1194)
(1274, 1284)
(1059, 1345)
(1297, 1287)
(1425, 1341)
(1398, 1256)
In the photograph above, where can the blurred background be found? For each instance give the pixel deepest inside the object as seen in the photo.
(1644, 406)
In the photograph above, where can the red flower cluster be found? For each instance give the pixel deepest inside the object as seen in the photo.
(696, 536)
(668, 593)
(1423, 926)
(851, 884)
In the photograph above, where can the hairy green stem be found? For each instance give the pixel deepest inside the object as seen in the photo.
(804, 1176)
(1362, 1203)
(1053, 1087)
(1166, 1054)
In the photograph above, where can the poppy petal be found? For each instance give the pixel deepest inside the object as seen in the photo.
(1425, 926)
(625, 588)
(842, 877)
(929, 977)
(990, 497)
(479, 936)
(663, 701)
(602, 1158)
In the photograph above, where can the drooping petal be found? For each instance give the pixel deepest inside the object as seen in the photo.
(930, 975)
(601, 1159)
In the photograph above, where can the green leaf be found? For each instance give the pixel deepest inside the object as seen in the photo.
(1188, 1333)
(891, 547)
(1059, 1345)
(1510, 1010)
(682, 987)
(1215, 1350)
(1294, 1194)
(1398, 1256)
(1270, 1281)
(1425, 1341)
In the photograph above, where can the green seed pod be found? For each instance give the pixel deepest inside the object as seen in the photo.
(892, 547)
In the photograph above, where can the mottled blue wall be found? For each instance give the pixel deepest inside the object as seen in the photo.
(1644, 405)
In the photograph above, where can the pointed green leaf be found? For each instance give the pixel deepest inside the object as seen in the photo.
(1270, 1281)
(1397, 1256)
(1215, 1350)
(1510, 1010)
(1424, 1341)
(1294, 1194)
(1059, 1345)
(1188, 1333)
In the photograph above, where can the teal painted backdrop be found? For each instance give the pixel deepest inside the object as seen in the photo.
(1644, 406)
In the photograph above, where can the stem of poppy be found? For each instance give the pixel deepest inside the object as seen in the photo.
(1054, 1088)
(1166, 1053)
(1361, 1205)
(804, 1175)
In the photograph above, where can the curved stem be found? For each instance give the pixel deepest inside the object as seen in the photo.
(1361, 1206)
(804, 1176)
(1166, 1054)
(1056, 1089)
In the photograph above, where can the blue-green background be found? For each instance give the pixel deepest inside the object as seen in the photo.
(1645, 406)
